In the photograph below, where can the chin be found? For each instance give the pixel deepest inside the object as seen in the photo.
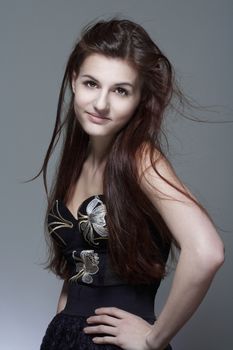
(98, 130)
(92, 132)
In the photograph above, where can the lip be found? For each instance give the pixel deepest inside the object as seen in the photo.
(97, 118)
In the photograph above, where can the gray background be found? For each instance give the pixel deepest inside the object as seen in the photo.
(36, 38)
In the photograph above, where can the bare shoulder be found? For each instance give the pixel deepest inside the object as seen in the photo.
(158, 178)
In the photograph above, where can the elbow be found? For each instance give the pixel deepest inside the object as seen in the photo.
(204, 260)
(219, 256)
(213, 257)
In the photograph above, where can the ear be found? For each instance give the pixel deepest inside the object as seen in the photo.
(74, 77)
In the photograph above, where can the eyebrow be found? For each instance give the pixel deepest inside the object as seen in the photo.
(121, 83)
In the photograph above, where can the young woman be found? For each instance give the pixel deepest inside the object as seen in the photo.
(116, 206)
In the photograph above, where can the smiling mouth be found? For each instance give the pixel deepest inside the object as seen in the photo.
(96, 119)
(97, 116)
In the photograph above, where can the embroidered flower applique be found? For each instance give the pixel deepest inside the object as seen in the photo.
(58, 222)
(86, 265)
(94, 221)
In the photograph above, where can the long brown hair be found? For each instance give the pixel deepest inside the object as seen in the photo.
(129, 209)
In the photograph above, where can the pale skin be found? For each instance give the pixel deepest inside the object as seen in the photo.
(201, 249)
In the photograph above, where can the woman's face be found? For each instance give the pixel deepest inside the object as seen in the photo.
(106, 94)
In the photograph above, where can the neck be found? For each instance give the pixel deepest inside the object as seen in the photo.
(98, 149)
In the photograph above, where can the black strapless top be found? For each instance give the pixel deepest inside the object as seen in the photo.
(84, 242)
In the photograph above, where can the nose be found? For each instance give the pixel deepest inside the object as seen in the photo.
(101, 103)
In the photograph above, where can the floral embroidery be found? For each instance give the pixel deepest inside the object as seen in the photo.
(60, 222)
(94, 221)
(86, 265)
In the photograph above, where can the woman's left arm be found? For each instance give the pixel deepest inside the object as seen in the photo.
(201, 254)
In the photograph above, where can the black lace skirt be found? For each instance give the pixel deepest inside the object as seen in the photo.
(65, 332)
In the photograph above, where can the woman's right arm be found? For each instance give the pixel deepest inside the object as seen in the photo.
(63, 297)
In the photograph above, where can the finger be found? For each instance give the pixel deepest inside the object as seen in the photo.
(105, 340)
(103, 319)
(103, 329)
(113, 311)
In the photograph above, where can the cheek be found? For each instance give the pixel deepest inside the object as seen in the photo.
(126, 111)
(80, 102)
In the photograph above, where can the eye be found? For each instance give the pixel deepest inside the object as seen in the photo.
(122, 91)
(89, 83)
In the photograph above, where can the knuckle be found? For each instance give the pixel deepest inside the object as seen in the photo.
(101, 328)
(102, 318)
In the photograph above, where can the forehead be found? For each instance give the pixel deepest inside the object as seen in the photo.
(109, 69)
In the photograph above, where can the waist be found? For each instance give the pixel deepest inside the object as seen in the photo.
(84, 299)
